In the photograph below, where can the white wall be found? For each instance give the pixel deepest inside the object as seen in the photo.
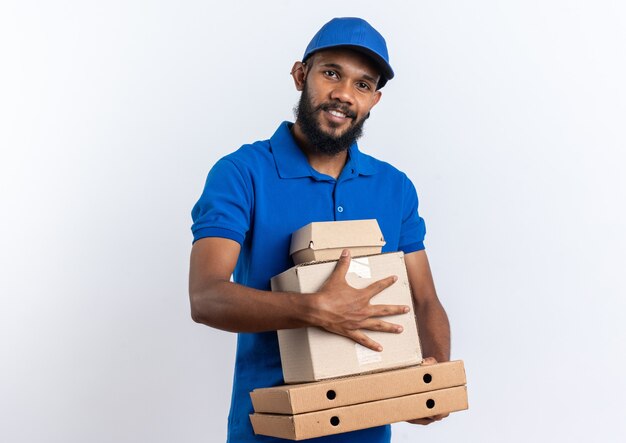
(508, 116)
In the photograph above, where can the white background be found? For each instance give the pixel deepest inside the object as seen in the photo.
(508, 116)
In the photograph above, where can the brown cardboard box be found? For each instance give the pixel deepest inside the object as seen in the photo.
(360, 416)
(311, 354)
(308, 397)
(322, 241)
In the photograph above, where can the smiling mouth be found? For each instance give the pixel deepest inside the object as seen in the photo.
(339, 113)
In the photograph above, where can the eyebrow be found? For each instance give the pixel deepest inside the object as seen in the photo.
(336, 66)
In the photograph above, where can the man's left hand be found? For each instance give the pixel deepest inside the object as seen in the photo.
(434, 418)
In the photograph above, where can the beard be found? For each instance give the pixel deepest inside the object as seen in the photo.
(323, 142)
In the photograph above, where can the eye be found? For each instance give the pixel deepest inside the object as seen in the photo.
(363, 86)
(331, 74)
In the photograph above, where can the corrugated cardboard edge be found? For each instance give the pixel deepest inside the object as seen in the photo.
(332, 254)
(309, 397)
(361, 416)
(369, 229)
(300, 265)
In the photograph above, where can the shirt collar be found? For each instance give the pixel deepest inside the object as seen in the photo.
(292, 163)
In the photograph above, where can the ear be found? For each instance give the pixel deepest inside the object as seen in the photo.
(298, 72)
(376, 98)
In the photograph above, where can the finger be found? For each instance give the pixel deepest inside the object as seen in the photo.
(421, 421)
(373, 324)
(429, 361)
(427, 420)
(342, 266)
(385, 310)
(381, 285)
(364, 340)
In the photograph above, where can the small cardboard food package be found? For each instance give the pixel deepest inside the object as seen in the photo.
(322, 241)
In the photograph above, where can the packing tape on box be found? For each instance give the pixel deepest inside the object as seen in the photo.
(360, 267)
(366, 355)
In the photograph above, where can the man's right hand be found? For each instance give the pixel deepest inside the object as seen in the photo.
(339, 308)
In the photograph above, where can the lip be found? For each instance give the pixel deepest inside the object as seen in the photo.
(336, 118)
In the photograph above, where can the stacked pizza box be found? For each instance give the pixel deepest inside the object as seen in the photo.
(334, 384)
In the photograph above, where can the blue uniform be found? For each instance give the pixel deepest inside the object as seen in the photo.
(258, 196)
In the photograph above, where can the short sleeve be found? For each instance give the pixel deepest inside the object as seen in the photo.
(413, 228)
(225, 205)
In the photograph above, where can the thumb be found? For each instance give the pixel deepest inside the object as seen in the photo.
(429, 361)
(342, 266)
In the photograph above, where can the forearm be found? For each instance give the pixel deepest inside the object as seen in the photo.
(336, 307)
(232, 307)
(434, 329)
(432, 321)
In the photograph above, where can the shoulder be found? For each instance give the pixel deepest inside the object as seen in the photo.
(248, 161)
(249, 156)
(386, 170)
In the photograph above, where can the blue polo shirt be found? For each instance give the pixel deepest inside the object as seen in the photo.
(261, 193)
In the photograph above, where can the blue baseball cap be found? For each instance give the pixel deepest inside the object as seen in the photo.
(357, 34)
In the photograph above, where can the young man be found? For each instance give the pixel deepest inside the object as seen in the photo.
(308, 171)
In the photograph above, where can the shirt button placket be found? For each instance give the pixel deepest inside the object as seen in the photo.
(340, 206)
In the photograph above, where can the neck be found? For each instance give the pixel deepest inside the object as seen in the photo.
(324, 164)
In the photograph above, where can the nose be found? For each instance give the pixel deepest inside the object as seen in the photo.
(342, 92)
